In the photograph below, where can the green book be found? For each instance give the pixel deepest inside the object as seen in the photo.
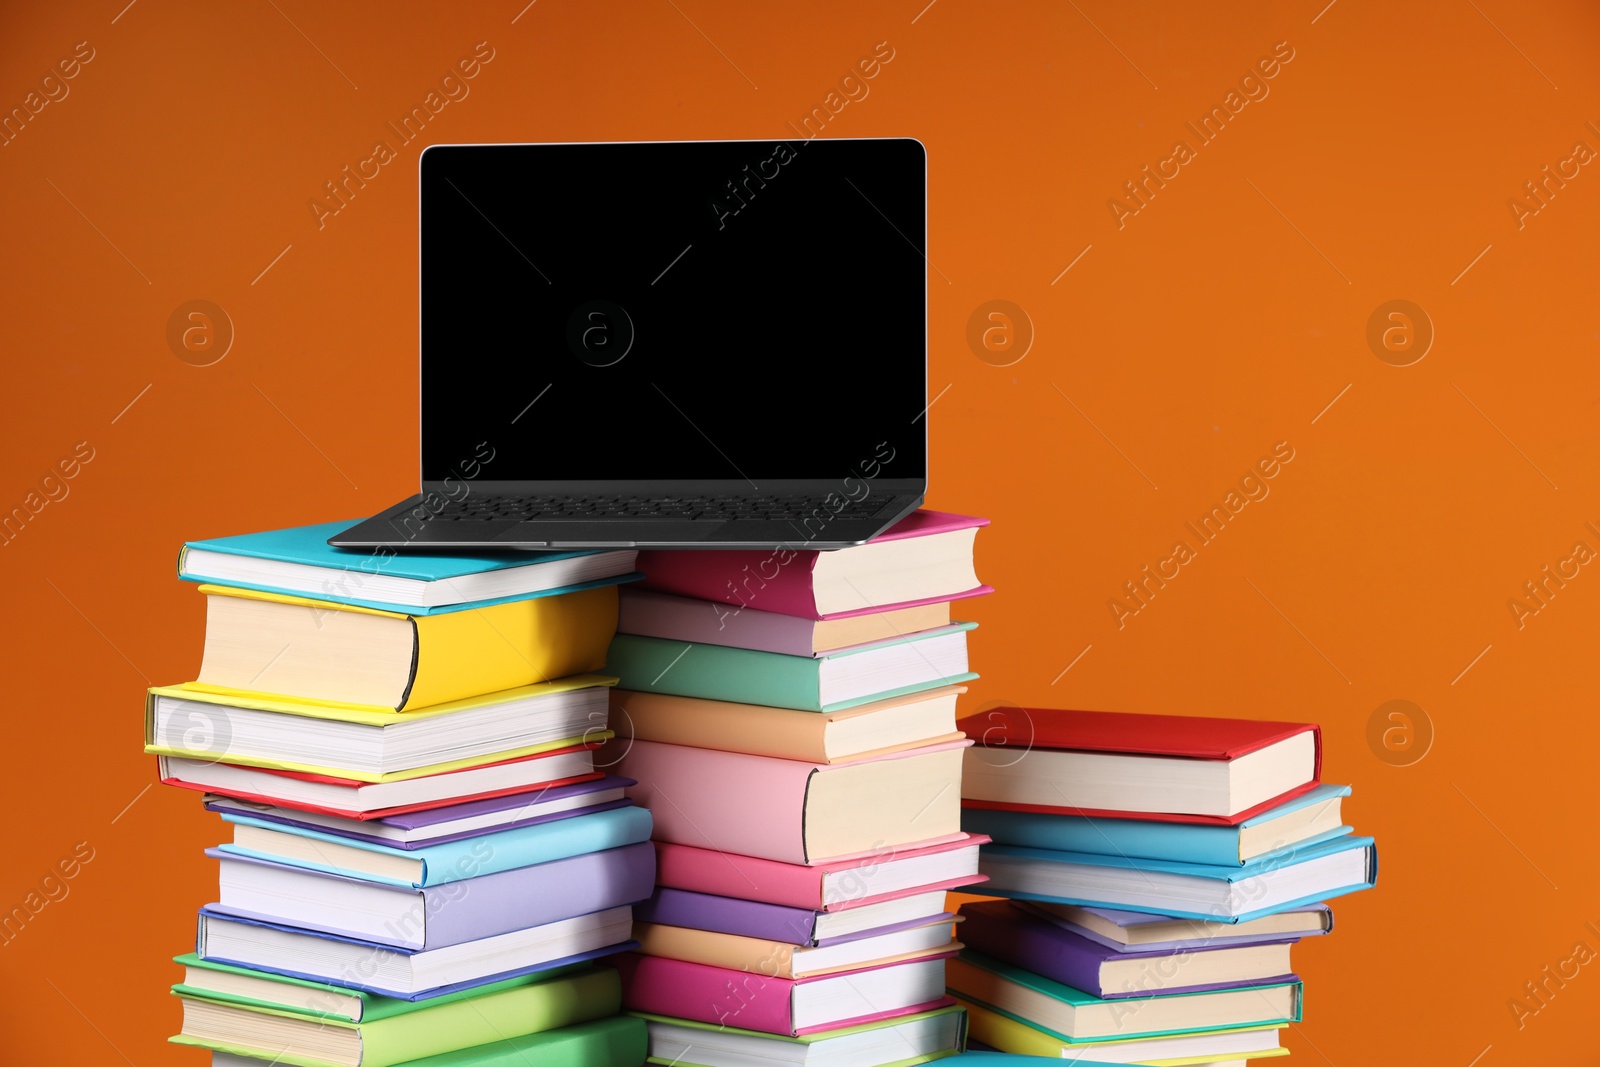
(615, 1042)
(846, 678)
(918, 1038)
(1073, 1016)
(433, 1029)
(210, 980)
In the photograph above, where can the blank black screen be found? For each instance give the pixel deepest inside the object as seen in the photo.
(775, 294)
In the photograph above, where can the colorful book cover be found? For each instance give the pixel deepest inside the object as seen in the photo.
(354, 977)
(455, 655)
(998, 929)
(444, 1025)
(440, 916)
(956, 1016)
(716, 672)
(1133, 734)
(1147, 838)
(759, 806)
(1209, 934)
(784, 733)
(352, 798)
(785, 575)
(301, 996)
(752, 918)
(497, 813)
(1004, 875)
(350, 576)
(655, 985)
(833, 886)
(472, 857)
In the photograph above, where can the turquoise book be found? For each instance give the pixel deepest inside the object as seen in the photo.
(846, 678)
(1074, 1017)
(298, 561)
(1307, 819)
(1307, 874)
(433, 865)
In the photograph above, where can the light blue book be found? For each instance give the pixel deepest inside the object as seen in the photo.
(298, 561)
(431, 865)
(1309, 818)
(845, 678)
(1296, 877)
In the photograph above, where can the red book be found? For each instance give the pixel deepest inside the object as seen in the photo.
(1173, 768)
(352, 799)
(924, 558)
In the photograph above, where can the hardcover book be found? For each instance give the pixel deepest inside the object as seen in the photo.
(925, 557)
(318, 650)
(1006, 932)
(1312, 874)
(796, 812)
(835, 681)
(885, 873)
(299, 562)
(435, 917)
(1104, 763)
(1311, 817)
(446, 1025)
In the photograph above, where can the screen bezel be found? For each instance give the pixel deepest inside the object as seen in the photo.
(907, 484)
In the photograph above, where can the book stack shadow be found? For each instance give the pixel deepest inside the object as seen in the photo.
(1158, 871)
(790, 720)
(425, 864)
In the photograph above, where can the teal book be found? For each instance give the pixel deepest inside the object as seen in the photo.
(214, 980)
(846, 678)
(1074, 1017)
(1306, 874)
(1307, 819)
(298, 561)
(433, 865)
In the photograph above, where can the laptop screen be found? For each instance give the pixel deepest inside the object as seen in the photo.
(683, 310)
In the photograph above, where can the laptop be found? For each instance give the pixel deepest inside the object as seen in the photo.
(713, 344)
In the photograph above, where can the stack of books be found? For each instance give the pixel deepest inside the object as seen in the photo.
(425, 857)
(790, 719)
(1159, 869)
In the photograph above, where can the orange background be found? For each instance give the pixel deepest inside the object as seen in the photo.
(1221, 319)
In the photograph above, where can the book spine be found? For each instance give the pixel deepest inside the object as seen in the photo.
(562, 839)
(702, 870)
(481, 907)
(727, 915)
(1033, 946)
(713, 672)
(707, 994)
(776, 580)
(708, 622)
(464, 1023)
(1178, 842)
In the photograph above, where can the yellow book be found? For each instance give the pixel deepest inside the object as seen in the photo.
(342, 656)
(279, 733)
(1008, 1035)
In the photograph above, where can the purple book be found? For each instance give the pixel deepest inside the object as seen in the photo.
(435, 826)
(750, 918)
(436, 916)
(1001, 929)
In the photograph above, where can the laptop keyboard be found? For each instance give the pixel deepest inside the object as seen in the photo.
(771, 508)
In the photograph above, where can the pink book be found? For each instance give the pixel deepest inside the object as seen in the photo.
(792, 811)
(885, 874)
(924, 558)
(789, 1007)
